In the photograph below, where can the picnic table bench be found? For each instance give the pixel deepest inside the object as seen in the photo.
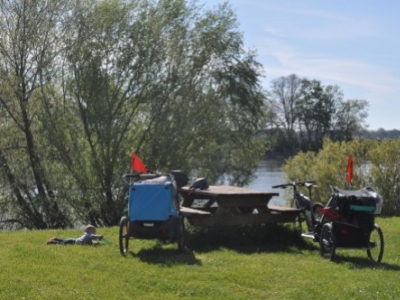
(230, 205)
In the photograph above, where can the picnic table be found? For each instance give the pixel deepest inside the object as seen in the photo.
(230, 205)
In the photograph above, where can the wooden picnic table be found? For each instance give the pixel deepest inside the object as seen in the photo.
(230, 205)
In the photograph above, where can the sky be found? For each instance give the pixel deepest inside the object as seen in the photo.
(353, 44)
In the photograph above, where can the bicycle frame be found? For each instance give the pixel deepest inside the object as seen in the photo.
(303, 202)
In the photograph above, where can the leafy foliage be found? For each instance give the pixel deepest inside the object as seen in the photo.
(28, 39)
(376, 165)
(96, 80)
(385, 173)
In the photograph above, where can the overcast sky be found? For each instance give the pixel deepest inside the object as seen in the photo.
(354, 44)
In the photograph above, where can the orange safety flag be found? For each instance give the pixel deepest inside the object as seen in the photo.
(137, 164)
(349, 169)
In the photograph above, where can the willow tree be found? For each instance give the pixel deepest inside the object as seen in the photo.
(30, 32)
(167, 79)
(85, 83)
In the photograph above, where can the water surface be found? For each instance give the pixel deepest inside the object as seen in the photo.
(268, 173)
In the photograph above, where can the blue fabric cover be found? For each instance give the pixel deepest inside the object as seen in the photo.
(151, 202)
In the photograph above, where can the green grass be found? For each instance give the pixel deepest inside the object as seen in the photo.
(271, 262)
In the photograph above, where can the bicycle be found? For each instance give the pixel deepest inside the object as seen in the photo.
(311, 212)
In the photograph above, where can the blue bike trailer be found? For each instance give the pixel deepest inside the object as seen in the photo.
(153, 213)
(151, 202)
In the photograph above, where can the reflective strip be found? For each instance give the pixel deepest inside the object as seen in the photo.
(362, 208)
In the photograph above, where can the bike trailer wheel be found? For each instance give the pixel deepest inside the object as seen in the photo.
(376, 244)
(124, 235)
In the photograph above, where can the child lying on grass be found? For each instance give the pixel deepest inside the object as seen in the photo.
(88, 238)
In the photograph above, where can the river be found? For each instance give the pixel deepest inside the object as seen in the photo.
(269, 172)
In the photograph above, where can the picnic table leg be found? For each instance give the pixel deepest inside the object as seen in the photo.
(246, 210)
(188, 200)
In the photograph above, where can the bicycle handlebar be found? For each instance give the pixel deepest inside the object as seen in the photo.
(283, 186)
(307, 183)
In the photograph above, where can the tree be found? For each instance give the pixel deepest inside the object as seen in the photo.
(286, 92)
(350, 119)
(308, 112)
(85, 83)
(317, 111)
(29, 35)
(162, 78)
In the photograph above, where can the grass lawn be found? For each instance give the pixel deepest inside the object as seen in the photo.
(266, 262)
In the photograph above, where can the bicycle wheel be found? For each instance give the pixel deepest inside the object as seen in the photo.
(376, 244)
(328, 242)
(123, 235)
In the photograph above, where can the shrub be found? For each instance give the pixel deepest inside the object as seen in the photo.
(376, 164)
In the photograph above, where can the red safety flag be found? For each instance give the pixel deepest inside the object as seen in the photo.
(349, 169)
(137, 164)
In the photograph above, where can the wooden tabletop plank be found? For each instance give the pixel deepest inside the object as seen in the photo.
(229, 196)
(216, 190)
